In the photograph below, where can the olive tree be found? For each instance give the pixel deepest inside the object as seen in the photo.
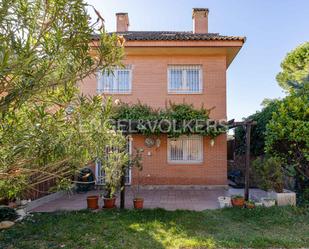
(47, 44)
(47, 129)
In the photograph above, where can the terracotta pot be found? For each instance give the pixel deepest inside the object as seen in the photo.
(250, 205)
(92, 202)
(138, 203)
(12, 204)
(109, 202)
(238, 202)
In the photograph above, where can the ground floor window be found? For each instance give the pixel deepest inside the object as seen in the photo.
(100, 174)
(185, 149)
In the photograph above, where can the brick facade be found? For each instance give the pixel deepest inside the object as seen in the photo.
(149, 60)
(149, 82)
(149, 85)
(157, 171)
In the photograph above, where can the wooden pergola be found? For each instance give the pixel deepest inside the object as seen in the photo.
(247, 124)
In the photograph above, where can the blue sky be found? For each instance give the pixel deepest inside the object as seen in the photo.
(272, 28)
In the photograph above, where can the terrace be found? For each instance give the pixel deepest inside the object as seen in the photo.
(169, 198)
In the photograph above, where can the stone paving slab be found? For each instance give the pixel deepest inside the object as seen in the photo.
(169, 199)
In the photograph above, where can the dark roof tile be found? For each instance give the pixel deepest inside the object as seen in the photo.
(173, 36)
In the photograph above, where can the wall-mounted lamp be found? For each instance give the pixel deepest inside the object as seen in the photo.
(212, 142)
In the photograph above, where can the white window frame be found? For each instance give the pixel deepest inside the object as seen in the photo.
(114, 75)
(186, 138)
(184, 89)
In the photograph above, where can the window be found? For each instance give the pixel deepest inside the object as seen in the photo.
(100, 174)
(185, 149)
(185, 79)
(118, 81)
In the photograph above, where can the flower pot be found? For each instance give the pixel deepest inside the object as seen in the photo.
(286, 198)
(224, 201)
(12, 204)
(238, 202)
(138, 203)
(258, 204)
(268, 202)
(109, 202)
(250, 205)
(92, 202)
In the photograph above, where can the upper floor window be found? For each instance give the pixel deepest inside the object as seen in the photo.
(185, 79)
(117, 81)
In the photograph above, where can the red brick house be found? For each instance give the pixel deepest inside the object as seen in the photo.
(173, 66)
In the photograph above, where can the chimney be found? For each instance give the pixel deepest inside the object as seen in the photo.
(200, 20)
(122, 22)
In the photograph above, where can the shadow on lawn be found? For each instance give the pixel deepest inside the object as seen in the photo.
(158, 229)
(155, 229)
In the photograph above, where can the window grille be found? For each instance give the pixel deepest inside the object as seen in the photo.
(185, 149)
(185, 79)
(117, 81)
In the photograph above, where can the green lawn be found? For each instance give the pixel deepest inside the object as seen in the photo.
(272, 227)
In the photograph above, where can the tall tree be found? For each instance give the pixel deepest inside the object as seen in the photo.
(258, 131)
(287, 134)
(295, 68)
(47, 43)
(47, 130)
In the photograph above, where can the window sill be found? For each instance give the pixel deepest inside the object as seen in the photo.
(184, 163)
(114, 93)
(185, 93)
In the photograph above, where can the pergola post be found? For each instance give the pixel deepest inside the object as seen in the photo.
(122, 191)
(247, 125)
(247, 163)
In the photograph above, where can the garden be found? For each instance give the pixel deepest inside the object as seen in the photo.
(49, 131)
(276, 227)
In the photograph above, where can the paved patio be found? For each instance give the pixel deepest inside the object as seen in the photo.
(169, 199)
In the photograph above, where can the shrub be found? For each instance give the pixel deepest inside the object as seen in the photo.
(7, 213)
(269, 173)
(262, 118)
(287, 136)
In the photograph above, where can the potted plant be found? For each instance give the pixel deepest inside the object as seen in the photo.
(250, 204)
(270, 174)
(138, 202)
(113, 171)
(268, 202)
(224, 201)
(238, 201)
(92, 202)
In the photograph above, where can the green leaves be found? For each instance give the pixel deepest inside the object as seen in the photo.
(269, 173)
(258, 131)
(295, 68)
(47, 44)
(42, 143)
(287, 134)
(174, 120)
(47, 131)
